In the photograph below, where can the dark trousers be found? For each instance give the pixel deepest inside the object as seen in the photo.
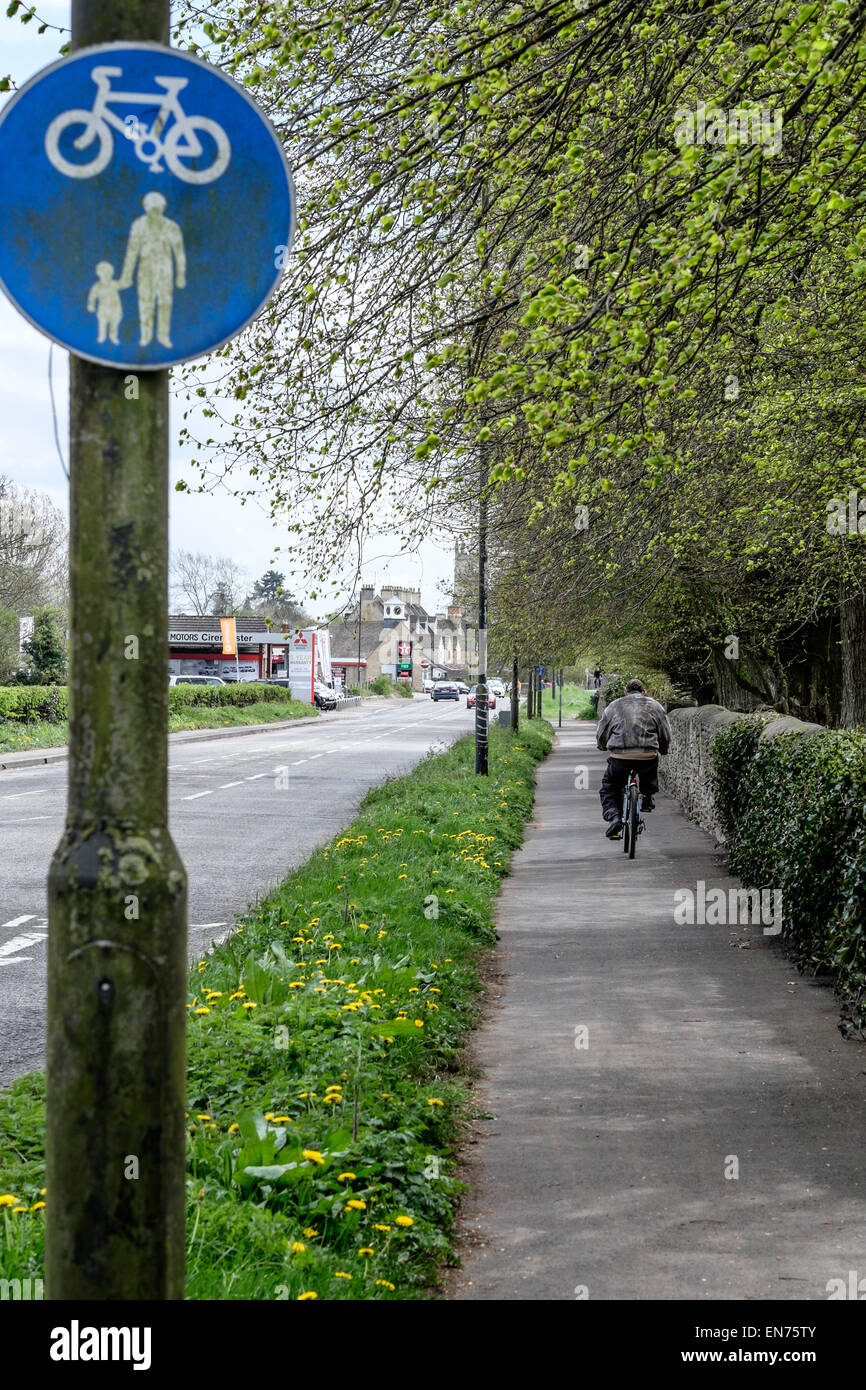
(614, 780)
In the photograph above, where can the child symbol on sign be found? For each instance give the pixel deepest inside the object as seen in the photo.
(104, 301)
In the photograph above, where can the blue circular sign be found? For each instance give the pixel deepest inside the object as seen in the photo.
(148, 207)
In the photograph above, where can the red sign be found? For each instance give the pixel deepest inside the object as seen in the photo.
(404, 650)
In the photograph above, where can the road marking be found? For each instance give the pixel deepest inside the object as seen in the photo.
(13, 796)
(20, 943)
(18, 921)
(205, 926)
(298, 763)
(196, 795)
(313, 756)
(223, 785)
(256, 776)
(25, 820)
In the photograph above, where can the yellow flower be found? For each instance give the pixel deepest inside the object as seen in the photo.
(401, 875)
(356, 1204)
(341, 1274)
(403, 1221)
(346, 1177)
(298, 1247)
(363, 926)
(313, 1156)
(309, 1232)
(366, 1250)
(250, 1005)
(282, 1119)
(36, 1206)
(204, 1117)
(385, 1284)
(14, 1209)
(379, 1227)
(7, 1200)
(233, 1129)
(201, 1011)
(302, 1297)
(434, 1101)
(419, 1023)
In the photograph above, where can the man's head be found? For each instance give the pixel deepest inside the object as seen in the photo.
(153, 202)
(635, 687)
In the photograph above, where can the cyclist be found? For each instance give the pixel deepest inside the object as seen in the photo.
(634, 731)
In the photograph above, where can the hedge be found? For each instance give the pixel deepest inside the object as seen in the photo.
(48, 704)
(794, 813)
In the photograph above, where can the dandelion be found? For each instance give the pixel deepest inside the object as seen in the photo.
(303, 1297)
(250, 1005)
(298, 1247)
(341, 1274)
(366, 1250)
(234, 1129)
(37, 1206)
(309, 1232)
(201, 1011)
(434, 1100)
(282, 1119)
(346, 1177)
(419, 1023)
(403, 1221)
(356, 1204)
(385, 1284)
(379, 1227)
(401, 875)
(313, 1156)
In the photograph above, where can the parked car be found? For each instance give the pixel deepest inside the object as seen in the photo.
(472, 698)
(462, 687)
(496, 685)
(446, 690)
(324, 696)
(195, 680)
(427, 684)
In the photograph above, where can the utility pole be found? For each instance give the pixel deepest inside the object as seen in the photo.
(561, 675)
(515, 697)
(117, 888)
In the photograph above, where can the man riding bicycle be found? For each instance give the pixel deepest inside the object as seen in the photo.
(635, 732)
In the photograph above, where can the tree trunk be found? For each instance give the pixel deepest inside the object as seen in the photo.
(852, 614)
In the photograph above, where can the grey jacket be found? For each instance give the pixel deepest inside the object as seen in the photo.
(634, 725)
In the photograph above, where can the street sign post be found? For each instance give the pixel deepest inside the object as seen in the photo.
(147, 205)
(147, 214)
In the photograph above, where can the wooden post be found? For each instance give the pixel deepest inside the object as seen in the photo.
(117, 961)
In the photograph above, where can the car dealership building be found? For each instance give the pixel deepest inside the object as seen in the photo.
(195, 648)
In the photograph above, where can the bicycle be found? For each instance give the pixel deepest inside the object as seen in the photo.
(149, 144)
(633, 823)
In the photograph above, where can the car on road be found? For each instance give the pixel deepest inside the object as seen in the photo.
(462, 687)
(195, 680)
(496, 685)
(445, 690)
(472, 698)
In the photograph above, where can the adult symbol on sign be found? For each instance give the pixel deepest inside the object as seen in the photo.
(155, 247)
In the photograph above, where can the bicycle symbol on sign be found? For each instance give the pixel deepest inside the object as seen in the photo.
(181, 142)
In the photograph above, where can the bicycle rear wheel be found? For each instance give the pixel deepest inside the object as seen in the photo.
(632, 820)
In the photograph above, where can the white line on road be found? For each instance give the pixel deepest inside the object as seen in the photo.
(256, 775)
(196, 795)
(313, 756)
(223, 785)
(20, 943)
(298, 763)
(18, 921)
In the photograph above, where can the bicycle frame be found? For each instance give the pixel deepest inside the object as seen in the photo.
(168, 101)
(631, 832)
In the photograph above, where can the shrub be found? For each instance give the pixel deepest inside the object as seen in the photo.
(793, 809)
(404, 690)
(33, 704)
(381, 685)
(244, 693)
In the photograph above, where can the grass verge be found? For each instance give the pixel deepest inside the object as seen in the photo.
(575, 702)
(325, 1051)
(15, 738)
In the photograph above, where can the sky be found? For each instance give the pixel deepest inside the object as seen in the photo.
(214, 523)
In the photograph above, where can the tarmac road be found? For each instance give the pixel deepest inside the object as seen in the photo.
(245, 809)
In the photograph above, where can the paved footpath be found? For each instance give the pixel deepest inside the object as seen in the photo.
(601, 1170)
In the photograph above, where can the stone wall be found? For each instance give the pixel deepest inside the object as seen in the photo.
(687, 771)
